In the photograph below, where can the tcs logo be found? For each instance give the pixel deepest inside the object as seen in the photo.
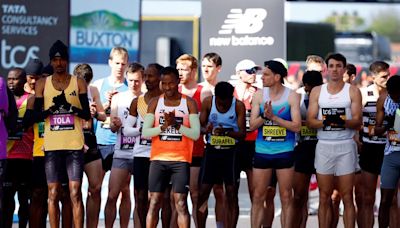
(249, 22)
(9, 53)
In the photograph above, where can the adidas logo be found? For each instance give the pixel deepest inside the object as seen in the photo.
(73, 93)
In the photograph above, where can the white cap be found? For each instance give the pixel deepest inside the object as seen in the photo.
(246, 64)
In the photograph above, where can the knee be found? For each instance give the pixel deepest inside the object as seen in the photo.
(94, 189)
(325, 197)
(53, 194)
(299, 199)
(285, 197)
(368, 199)
(75, 194)
(155, 203)
(181, 206)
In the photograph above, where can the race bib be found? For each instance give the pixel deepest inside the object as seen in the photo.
(171, 133)
(41, 129)
(19, 132)
(221, 141)
(62, 122)
(127, 142)
(334, 115)
(144, 141)
(273, 133)
(307, 133)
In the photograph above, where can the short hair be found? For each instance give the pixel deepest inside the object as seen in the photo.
(170, 71)
(214, 58)
(118, 51)
(84, 71)
(224, 90)
(188, 58)
(312, 78)
(393, 84)
(20, 72)
(156, 66)
(337, 57)
(277, 68)
(378, 66)
(351, 69)
(314, 59)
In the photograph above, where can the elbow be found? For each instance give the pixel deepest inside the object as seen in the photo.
(146, 133)
(297, 128)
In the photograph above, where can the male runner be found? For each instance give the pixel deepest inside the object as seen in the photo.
(223, 120)
(335, 111)
(141, 150)
(276, 114)
(173, 123)
(387, 109)
(122, 166)
(61, 99)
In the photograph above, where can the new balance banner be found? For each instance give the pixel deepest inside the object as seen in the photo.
(237, 30)
(29, 28)
(99, 25)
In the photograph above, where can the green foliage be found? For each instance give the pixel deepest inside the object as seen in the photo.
(387, 23)
(346, 21)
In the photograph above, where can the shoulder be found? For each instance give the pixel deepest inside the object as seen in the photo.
(315, 91)
(354, 90)
(98, 83)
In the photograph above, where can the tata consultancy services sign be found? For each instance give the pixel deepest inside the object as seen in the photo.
(29, 28)
(236, 30)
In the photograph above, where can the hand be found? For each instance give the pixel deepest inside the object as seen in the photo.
(93, 109)
(53, 109)
(268, 113)
(116, 121)
(209, 128)
(169, 118)
(110, 94)
(219, 130)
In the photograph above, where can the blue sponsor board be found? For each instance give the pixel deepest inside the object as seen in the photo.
(94, 55)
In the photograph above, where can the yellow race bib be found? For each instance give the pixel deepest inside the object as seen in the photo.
(221, 141)
(274, 131)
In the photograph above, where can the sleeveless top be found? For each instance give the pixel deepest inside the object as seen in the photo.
(3, 113)
(20, 144)
(393, 137)
(274, 141)
(250, 135)
(103, 132)
(171, 145)
(124, 144)
(143, 146)
(198, 148)
(369, 115)
(227, 120)
(335, 106)
(62, 131)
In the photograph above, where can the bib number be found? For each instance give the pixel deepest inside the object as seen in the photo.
(62, 122)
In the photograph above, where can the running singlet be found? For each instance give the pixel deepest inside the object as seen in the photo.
(198, 148)
(171, 145)
(250, 135)
(63, 130)
(334, 107)
(103, 132)
(143, 146)
(20, 144)
(369, 115)
(3, 112)
(38, 135)
(124, 144)
(306, 133)
(393, 137)
(273, 139)
(228, 121)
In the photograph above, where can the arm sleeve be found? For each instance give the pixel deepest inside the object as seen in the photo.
(39, 114)
(29, 118)
(83, 113)
(148, 129)
(129, 129)
(194, 131)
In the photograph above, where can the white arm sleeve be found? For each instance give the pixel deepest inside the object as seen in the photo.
(194, 131)
(129, 129)
(148, 129)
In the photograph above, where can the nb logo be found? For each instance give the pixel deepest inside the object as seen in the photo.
(73, 93)
(249, 22)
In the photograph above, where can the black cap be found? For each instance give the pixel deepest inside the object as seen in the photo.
(59, 49)
(276, 67)
(34, 67)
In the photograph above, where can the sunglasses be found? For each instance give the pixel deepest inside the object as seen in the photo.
(251, 71)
